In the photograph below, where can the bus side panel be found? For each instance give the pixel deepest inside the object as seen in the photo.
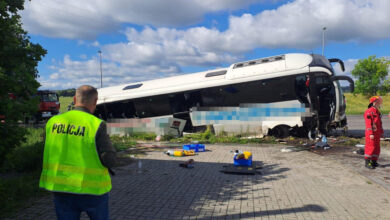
(251, 118)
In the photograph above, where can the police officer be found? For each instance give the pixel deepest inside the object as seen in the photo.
(374, 131)
(77, 157)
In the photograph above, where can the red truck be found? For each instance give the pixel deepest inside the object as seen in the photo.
(49, 104)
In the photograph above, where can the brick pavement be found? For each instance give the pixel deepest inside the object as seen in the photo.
(296, 185)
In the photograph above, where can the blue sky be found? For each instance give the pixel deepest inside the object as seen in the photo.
(143, 40)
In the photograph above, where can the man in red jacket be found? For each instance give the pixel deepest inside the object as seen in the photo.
(374, 131)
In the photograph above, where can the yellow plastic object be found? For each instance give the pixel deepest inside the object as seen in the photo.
(177, 153)
(189, 152)
(247, 154)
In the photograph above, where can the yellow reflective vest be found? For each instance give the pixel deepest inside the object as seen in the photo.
(70, 161)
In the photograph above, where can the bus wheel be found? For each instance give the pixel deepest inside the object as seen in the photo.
(281, 131)
(301, 132)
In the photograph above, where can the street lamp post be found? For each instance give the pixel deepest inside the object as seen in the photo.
(101, 70)
(323, 40)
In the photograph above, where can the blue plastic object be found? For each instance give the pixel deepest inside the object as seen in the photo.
(194, 147)
(243, 162)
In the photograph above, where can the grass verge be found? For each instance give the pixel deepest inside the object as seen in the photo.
(64, 102)
(357, 104)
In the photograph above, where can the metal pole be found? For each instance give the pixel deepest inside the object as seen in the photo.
(323, 40)
(101, 70)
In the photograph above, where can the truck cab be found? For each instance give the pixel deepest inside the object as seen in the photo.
(49, 104)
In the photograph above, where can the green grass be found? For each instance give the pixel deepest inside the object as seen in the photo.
(357, 104)
(20, 174)
(123, 143)
(65, 101)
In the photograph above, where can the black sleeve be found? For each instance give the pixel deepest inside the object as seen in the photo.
(106, 151)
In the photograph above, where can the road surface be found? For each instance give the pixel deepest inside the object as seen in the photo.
(356, 126)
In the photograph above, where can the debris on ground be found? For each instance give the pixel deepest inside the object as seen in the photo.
(232, 169)
(188, 164)
(323, 143)
(180, 153)
(296, 148)
(359, 151)
(335, 141)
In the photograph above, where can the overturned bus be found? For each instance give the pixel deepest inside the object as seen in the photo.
(279, 95)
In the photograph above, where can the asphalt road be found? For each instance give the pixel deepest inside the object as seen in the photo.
(356, 126)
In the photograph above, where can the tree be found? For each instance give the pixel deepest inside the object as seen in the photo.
(371, 74)
(19, 58)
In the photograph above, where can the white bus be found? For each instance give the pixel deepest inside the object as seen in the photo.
(279, 95)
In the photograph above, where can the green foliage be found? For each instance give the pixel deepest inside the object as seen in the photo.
(123, 143)
(208, 137)
(29, 155)
(144, 136)
(23, 165)
(11, 135)
(18, 72)
(357, 104)
(371, 74)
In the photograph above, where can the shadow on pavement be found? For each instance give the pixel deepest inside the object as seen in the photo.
(160, 189)
(306, 208)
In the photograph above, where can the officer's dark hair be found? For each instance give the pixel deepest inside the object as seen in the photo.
(370, 105)
(86, 94)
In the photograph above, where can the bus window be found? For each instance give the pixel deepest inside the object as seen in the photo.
(193, 99)
(100, 112)
(213, 97)
(153, 106)
(177, 103)
(120, 110)
(301, 89)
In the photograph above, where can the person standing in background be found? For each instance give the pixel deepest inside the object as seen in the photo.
(373, 132)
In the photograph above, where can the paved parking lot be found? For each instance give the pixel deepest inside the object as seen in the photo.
(296, 185)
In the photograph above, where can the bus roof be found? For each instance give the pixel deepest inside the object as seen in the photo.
(270, 67)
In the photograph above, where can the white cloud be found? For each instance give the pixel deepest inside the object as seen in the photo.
(71, 73)
(294, 25)
(86, 19)
(157, 52)
(349, 66)
(54, 76)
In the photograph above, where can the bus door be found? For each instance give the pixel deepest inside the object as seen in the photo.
(323, 98)
(340, 99)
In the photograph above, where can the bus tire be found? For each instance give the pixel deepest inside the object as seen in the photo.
(301, 132)
(281, 131)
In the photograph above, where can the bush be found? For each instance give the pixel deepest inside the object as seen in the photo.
(29, 155)
(11, 137)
